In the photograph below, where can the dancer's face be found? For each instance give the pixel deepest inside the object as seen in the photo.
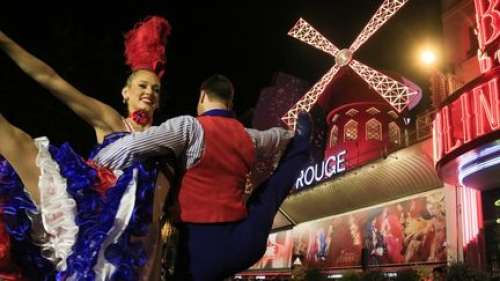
(142, 92)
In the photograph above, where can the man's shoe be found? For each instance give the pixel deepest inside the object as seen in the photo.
(303, 127)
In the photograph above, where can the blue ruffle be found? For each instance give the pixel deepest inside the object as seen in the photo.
(126, 255)
(96, 215)
(15, 207)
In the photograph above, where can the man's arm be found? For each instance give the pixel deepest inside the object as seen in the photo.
(172, 136)
(270, 142)
(269, 147)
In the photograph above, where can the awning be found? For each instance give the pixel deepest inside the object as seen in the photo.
(405, 172)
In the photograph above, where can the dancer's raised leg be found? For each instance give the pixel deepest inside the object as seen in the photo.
(20, 150)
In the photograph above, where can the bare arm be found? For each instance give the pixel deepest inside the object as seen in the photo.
(102, 117)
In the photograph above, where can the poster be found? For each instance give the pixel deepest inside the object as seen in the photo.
(403, 232)
(278, 254)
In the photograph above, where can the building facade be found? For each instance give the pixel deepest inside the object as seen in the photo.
(389, 193)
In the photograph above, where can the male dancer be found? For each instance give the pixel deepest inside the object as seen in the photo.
(219, 234)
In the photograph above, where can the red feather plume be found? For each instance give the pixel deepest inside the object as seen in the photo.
(145, 45)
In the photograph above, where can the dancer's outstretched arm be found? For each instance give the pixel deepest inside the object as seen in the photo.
(102, 117)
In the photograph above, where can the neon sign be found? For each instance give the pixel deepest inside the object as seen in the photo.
(488, 22)
(333, 165)
(474, 114)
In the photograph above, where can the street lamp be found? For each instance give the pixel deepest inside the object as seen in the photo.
(429, 61)
(428, 57)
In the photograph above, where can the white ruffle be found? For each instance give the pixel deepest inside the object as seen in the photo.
(57, 209)
(103, 268)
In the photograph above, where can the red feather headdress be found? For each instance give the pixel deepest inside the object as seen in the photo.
(145, 45)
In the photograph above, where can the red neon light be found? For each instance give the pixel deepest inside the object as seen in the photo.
(473, 115)
(476, 213)
(488, 22)
(450, 142)
(486, 107)
(471, 215)
(437, 139)
(488, 18)
(464, 222)
(466, 118)
(467, 209)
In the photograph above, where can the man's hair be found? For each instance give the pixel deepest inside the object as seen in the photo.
(219, 87)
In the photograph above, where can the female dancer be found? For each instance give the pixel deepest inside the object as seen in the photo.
(89, 229)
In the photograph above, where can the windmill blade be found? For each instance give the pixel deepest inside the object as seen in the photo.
(394, 92)
(309, 99)
(383, 14)
(304, 32)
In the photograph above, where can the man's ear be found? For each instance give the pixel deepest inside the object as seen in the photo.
(203, 96)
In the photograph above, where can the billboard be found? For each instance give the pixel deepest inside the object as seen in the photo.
(397, 233)
(278, 253)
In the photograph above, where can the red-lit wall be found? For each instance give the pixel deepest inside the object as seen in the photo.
(378, 130)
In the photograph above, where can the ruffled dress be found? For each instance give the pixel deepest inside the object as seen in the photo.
(91, 223)
(20, 257)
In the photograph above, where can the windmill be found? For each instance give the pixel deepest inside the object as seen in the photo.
(394, 92)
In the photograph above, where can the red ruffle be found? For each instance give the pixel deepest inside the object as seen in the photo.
(8, 270)
(106, 178)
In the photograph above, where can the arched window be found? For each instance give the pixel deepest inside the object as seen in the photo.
(373, 130)
(334, 135)
(372, 110)
(394, 133)
(351, 130)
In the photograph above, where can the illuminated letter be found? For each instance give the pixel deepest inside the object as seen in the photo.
(448, 131)
(437, 130)
(341, 161)
(488, 21)
(299, 183)
(466, 117)
(329, 166)
(320, 177)
(486, 107)
(309, 180)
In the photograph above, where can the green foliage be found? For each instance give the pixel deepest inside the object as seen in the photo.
(298, 273)
(351, 276)
(314, 274)
(373, 276)
(408, 275)
(454, 272)
(462, 272)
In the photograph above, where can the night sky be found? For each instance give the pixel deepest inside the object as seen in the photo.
(244, 40)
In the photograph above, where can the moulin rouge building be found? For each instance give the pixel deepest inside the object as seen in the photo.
(383, 191)
(466, 126)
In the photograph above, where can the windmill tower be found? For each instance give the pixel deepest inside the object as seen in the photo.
(397, 94)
